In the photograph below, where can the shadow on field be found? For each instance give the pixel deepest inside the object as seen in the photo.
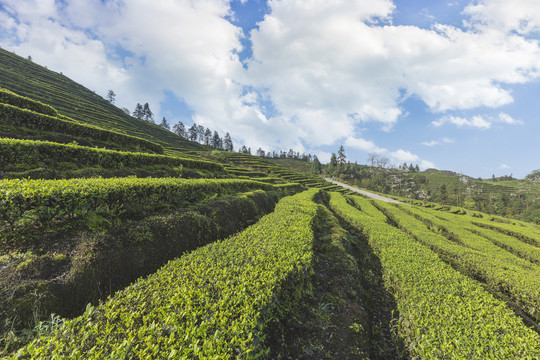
(349, 313)
(378, 302)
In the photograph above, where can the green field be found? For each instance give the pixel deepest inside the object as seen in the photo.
(120, 239)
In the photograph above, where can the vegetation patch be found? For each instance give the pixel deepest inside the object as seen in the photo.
(93, 265)
(11, 115)
(443, 314)
(216, 302)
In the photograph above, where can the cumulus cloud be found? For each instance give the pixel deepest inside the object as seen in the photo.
(522, 16)
(329, 58)
(36, 28)
(364, 145)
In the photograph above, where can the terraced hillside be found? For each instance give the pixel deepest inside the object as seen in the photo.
(79, 103)
(126, 244)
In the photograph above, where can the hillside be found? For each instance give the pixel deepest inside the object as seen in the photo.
(519, 199)
(31, 80)
(119, 239)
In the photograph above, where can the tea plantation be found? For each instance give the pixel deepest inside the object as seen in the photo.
(121, 240)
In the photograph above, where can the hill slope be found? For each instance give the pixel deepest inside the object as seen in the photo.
(71, 99)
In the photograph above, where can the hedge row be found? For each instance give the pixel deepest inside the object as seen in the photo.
(500, 269)
(12, 115)
(510, 243)
(9, 97)
(443, 314)
(14, 153)
(525, 234)
(110, 258)
(41, 202)
(218, 302)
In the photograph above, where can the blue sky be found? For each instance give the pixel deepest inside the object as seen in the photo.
(445, 84)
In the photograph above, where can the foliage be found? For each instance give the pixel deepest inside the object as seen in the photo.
(217, 302)
(10, 98)
(443, 314)
(83, 105)
(12, 115)
(41, 203)
(109, 256)
(502, 270)
(15, 154)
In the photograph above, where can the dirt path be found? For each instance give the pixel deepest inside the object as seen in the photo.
(366, 193)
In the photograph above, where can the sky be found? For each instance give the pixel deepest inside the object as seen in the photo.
(446, 84)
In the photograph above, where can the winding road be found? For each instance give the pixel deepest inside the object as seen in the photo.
(366, 193)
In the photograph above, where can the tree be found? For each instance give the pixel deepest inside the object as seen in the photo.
(179, 129)
(444, 194)
(111, 96)
(228, 143)
(372, 159)
(126, 111)
(411, 168)
(164, 124)
(316, 167)
(416, 168)
(207, 137)
(29, 57)
(216, 141)
(200, 133)
(147, 114)
(138, 112)
(333, 163)
(534, 176)
(341, 157)
(192, 132)
(260, 152)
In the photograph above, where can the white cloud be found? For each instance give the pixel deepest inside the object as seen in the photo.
(324, 66)
(364, 145)
(474, 122)
(431, 143)
(438, 142)
(479, 122)
(507, 119)
(504, 166)
(522, 16)
(314, 56)
(400, 156)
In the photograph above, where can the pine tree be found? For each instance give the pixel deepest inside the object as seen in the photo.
(207, 137)
(316, 166)
(179, 129)
(228, 143)
(333, 164)
(147, 114)
(216, 140)
(341, 156)
(111, 96)
(192, 132)
(200, 133)
(138, 112)
(164, 124)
